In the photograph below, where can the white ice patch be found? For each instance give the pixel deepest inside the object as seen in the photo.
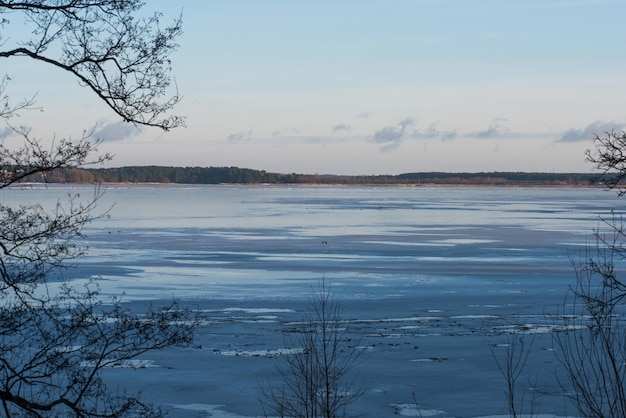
(258, 310)
(213, 410)
(526, 416)
(129, 364)
(413, 244)
(474, 317)
(259, 353)
(539, 328)
(431, 360)
(68, 349)
(412, 410)
(390, 320)
(465, 241)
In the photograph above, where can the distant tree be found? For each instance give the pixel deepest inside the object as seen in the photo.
(56, 338)
(317, 378)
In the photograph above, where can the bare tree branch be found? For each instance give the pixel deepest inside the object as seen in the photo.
(609, 157)
(55, 338)
(592, 349)
(123, 59)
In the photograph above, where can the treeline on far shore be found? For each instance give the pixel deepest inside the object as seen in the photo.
(235, 175)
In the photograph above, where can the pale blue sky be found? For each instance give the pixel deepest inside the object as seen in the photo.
(373, 86)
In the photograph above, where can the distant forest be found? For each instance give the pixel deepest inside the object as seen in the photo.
(235, 175)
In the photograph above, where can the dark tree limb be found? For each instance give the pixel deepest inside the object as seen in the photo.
(121, 58)
(609, 157)
(55, 338)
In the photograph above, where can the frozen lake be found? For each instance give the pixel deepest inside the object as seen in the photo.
(431, 279)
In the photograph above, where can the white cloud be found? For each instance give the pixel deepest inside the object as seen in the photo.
(341, 127)
(590, 131)
(495, 130)
(6, 132)
(240, 136)
(433, 132)
(388, 134)
(392, 133)
(392, 136)
(116, 131)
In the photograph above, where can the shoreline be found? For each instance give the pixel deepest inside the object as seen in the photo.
(416, 185)
(236, 175)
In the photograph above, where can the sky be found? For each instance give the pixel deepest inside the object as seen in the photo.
(368, 87)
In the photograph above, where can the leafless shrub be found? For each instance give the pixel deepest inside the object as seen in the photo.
(318, 378)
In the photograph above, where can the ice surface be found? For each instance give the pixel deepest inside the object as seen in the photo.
(433, 283)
